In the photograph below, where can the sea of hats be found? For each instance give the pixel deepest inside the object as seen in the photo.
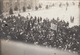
(36, 30)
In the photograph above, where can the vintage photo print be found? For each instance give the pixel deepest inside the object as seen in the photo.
(39, 27)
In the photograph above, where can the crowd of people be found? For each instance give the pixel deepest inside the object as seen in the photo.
(36, 30)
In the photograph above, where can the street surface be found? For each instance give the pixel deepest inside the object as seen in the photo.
(55, 12)
(17, 48)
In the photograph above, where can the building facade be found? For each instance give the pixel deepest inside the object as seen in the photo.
(5, 5)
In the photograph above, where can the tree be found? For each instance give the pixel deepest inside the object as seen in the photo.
(16, 8)
(53, 4)
(36, 8)
(40, 6)
(79, 4)
(0, 7)
(60, 5)
(1, 15)
(47, 7)
(0, 11)
(67, 3)
(10, 11)
(24, 9)
(29, 7)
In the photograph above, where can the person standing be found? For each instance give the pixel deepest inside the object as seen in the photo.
(72, 19)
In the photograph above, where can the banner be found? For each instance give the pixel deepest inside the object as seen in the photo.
(53, 26)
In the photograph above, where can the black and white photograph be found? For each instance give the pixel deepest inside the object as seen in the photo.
(39, 27)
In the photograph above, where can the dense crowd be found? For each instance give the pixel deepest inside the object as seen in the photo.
(36, 30)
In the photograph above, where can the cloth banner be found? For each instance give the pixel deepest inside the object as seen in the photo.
(53, 26)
